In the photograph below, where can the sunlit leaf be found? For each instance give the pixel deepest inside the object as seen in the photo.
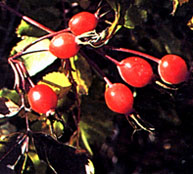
(190, 23)
(58, 128)
(9, 103)
(81, 74)
(8, 108)
(10, 94)
(84, 138)
(35, 62)
(128, 22)
(25, 28)
(175, 5)
(60, 83)
(56, 80)
(90, 167)
(40, 166)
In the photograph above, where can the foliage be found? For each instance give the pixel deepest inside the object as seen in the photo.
(83, 128)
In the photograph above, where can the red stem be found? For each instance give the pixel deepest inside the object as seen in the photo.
(37, 24)
(113, 60)
(17, 79)
(22, 53)
(27, 19)
(45, 37)
(93, 65)
(155, 59)
(108, 82)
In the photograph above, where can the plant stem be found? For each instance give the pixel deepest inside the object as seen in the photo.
(113, 60)
(100, 52)
(37, 24)
(27, 19)
(157, 60)
(21, 53)
(108, 82)
(45, 37)
(94, 65)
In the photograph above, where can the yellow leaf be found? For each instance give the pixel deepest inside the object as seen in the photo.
(56, 80)
(58, 128)
(175, 5)
(81, 74)
(183, 1)
(85, 140)
(190, 23)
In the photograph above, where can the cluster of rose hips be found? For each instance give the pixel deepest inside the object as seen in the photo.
(42, 98)
(136, 71)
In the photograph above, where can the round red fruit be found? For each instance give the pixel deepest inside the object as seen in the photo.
(64, 45)
(42, 99)
(119, 98)
(172, 69)
(83, 22)
(135, 71)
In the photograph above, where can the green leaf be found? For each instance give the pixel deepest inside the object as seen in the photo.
(43, 12)
(35, 62)
(25, 28)
(81, 74)
(10, 94)
(58, 128)
(96, 121)
(134, 16)
(9, 103)
(40, 166)
(128, 21)
(84, 136)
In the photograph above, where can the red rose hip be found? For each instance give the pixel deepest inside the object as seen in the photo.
(135, 71)
(172, 69)
(64, 45)
(82, 22)
(42, 99)
(119, 98)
